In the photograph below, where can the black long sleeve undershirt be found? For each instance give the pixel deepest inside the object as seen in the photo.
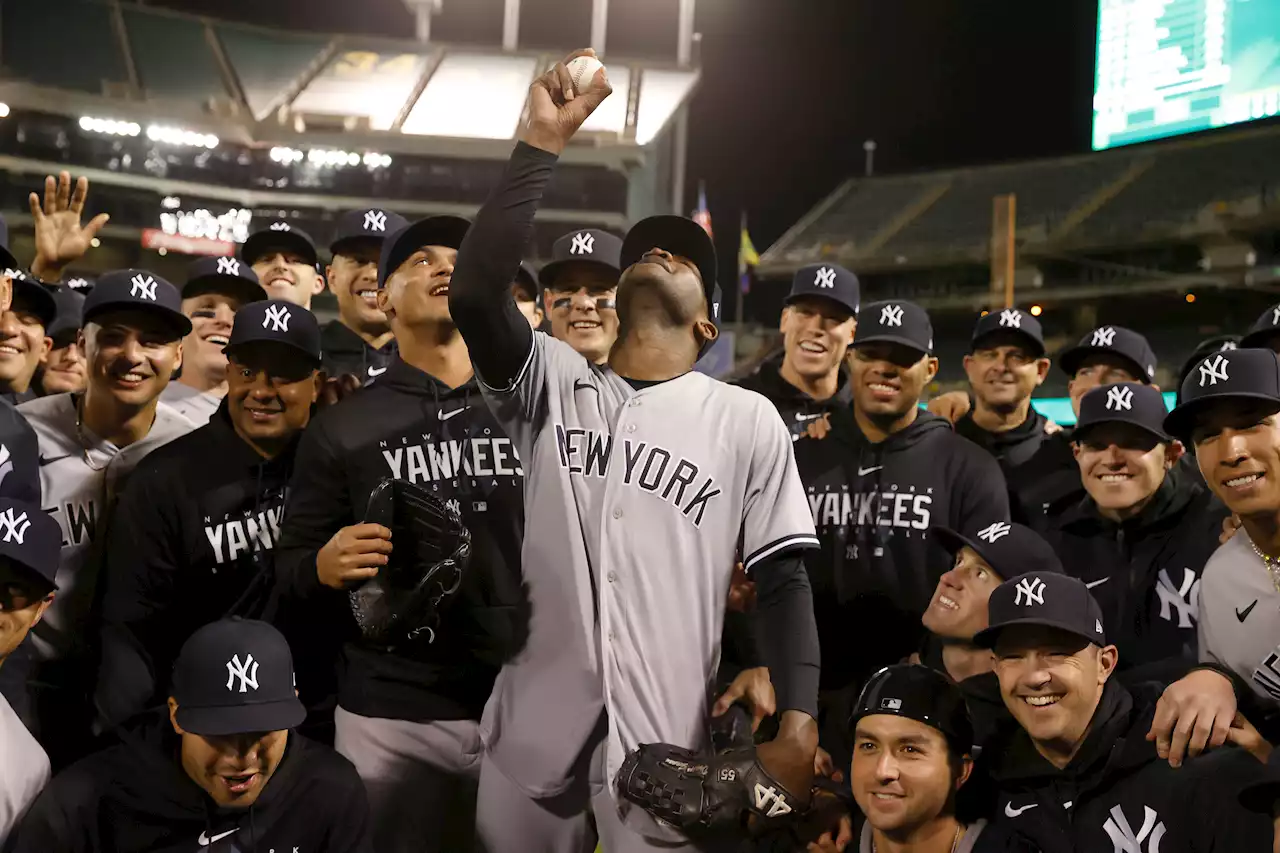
(787, 631)
(480, 300)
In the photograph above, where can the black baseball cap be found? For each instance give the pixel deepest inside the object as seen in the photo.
(277, 321)
(1242, 374)
(278, 235)
(829, 281)
(1012, 322)
(33, 296)
(1267, 324)
(231, 276)
(70, 316)
(235, 676)
(368, 223)
(7, 260)
(1051, 599)
(1218, 343)
(895, 321)
(1117, 341)
(29, 537)
(445, 231)
(681, 236)
(527, 279)
(918, 693)
(584, 246)
(1125, 403)
(137, 290)
(1009, 549)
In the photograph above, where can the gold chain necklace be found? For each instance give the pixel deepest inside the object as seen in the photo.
(1271, 564)
(955, 842)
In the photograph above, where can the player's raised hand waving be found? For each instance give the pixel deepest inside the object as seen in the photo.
(557, 108)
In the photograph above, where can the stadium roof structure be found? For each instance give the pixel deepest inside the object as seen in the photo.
(256, 86)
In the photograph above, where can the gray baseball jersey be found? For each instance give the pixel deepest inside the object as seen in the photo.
(638, 503)
(1240, 617)
(196, 406)
(79, 480)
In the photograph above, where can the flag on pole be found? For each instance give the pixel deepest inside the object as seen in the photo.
(702, 214)
(748, 258)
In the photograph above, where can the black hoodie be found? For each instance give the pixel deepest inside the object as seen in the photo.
(346, 352)
(412, 426)
(1045, 483)
(189, 544)
(1145, 572)
(1117, 794)
(134, 797)
(873, 505)
(1011, 448)
(797, 408)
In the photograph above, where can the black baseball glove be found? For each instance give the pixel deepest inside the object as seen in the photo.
(431, 545)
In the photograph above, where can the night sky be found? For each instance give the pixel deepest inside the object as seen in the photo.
(791, 88)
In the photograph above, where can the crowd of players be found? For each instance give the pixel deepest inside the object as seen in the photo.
(972, 629)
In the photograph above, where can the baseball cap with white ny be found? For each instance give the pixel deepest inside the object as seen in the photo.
(1043, 598)
(235, 676)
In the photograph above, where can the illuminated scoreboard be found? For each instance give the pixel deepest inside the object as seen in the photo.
(1167, 67)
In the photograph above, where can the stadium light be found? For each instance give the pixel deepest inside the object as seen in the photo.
(110, 127)
(374, 160)
(1036, 310)
(326, 158)
(282, 154)
(1191, 297)
(4, 110)
(179, 136)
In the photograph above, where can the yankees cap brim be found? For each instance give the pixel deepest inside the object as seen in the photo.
(988, 637)
(239, 719)
(1070, 361)
(1037, 345)
(547, 275)
(1083, 429)
(180, 322)
(231, 349)
(238, 287)
(1182, 420)
(261, 241)
(952, 542)
(891, 339)
(443, 230)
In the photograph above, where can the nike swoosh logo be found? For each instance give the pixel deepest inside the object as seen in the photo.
(377, 371)
(205, 841)
(52, 459)
(1010, 811)
(1244, 614)
(1097, 583)
(580, 386)
(862, 472)
(801, 416)
(444, 416)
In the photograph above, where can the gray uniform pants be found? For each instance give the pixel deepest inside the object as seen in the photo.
(420, 777)
(508, 819)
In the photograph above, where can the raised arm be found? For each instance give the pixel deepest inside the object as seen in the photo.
(480, 298)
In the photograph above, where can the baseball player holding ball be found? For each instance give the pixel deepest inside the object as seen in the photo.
(645, 482)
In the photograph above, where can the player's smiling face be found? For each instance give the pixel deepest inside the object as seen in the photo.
(418, 291)
(131, 355)
(580, 301)
(286, 274)
(958, 609)
(211, 317)
(1003, 371)
(1238, 449)
(1122, 466)
(22, 346)
(816, 335)
(353, 278)
(233, 770)
(271, 388)
(888, 378)
(64, 369)
(1051, 681)
(901, 774)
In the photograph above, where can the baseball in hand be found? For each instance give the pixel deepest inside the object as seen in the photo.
(582, 70)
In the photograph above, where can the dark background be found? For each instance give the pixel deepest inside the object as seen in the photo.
(792, 88)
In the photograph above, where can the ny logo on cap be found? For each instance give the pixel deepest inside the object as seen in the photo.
(584, 243)
(14, 529)
(891, 704)
(277, 318)
(1103, 337)
(1275, 316)
(1213, 370)
(247, 672)
(1119, 398)
(279, 226)
(375, 220)
(995, 531)
(891, 315)
(826, 278)
(1011, 318)
(715, 310)
(1228, 345)
(1030, 591)
(142, 288)
(228, 266)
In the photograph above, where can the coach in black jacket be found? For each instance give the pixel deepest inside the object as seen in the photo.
(1078, 774)
(1143, 533)
(408, 718)
(193, 536)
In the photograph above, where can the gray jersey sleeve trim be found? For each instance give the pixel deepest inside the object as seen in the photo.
(519, 377)
(797, 541)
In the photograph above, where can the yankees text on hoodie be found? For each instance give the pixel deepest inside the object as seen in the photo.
(134, 797)
(1117, 794)
(873, 505)
(1145, 572)
(410, 426)
(190, 542)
